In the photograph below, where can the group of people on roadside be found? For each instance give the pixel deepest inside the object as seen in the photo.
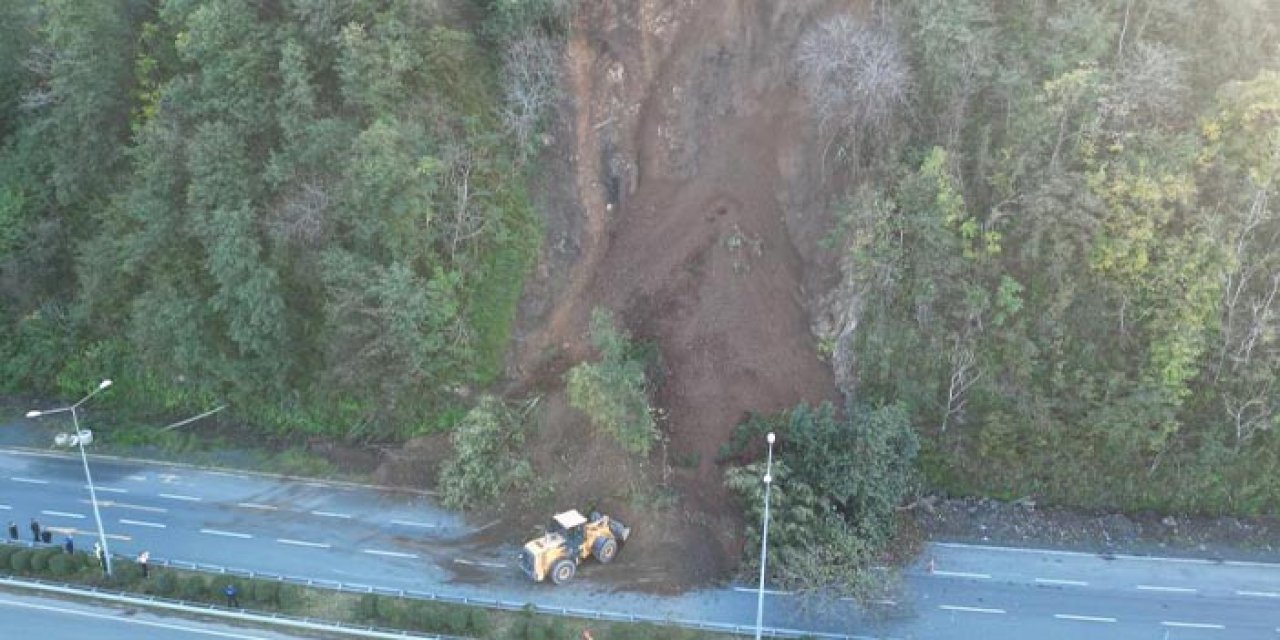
(41, 535)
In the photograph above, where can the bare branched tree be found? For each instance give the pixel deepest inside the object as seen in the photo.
(531, 84)
(855, 75)
(303, 217)
(1153, 83)
(964, 373)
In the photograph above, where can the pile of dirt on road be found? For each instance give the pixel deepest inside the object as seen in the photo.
(686, 207)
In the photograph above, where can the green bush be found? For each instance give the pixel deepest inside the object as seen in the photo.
(291, 597)
(20, 562)
(484, 464)
(62, 565)
(266, 592)
(478, 622)
(194, 588)
(165, 583)
(40, 559)
(613, 392)
(6, 551)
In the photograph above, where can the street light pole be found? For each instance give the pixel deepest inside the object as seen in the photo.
(84, 458)
(764, 538)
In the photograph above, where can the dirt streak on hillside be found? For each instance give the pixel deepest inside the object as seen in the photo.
(692, 217)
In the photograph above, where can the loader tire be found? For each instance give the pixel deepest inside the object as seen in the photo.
(605, 550)
(562, 570)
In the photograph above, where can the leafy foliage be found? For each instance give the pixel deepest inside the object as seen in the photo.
(613, 392)
(487, 459)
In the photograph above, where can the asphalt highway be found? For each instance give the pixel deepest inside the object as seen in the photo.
(366, 536)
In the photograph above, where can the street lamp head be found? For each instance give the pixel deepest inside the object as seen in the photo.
(769, 437)
(33, 414)
(104, 384)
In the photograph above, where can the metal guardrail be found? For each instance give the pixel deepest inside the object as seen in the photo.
(491, 603)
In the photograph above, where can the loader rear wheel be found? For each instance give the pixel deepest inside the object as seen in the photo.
(606, 549)
(562, 570)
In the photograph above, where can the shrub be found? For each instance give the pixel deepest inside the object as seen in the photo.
(613, 392)
(267, 592)
(40, 559)
(166, 584)
(194, 588)
(62, 565)
(20, 562)
(7, 551)
(484, 463)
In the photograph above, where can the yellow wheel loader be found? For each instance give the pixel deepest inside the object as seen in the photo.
(570, 539)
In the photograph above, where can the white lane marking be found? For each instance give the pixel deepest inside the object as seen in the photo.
(67, 531)
(107, 489)
(28, 480)
(227, 474)
(463, 561)
(6, 507)
(176, 496)
(952, 607)
(1259, 594)
(962, 574)
(1070, 616)
(1193, 625)
(390, 554)
(1070, 583)
(315, 484)
(226, 534)
(142, 523)
(137, 478)
(410, 523)
(493, 565)
(124, 505)
(768, 591)
(330, 514)
(883, 601)
(1152, 587)
(255, 505)
(1114, 556)
(64, 514)
(302, 543)
(115, 617)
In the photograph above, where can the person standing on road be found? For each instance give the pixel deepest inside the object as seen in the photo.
(13, 530)
(230, 592)
(69, 546)
(143, 559)
(35, 531)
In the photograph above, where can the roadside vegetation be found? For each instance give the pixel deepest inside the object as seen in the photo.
(614, 391)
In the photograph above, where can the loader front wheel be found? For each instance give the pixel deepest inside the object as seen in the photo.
(562, 570)
(606, 549)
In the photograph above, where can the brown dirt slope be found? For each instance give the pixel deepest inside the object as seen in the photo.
(686, 212)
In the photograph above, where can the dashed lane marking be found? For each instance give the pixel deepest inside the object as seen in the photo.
(107, 489)
(962, 574)
(226, 534)
(492, 565)
(137, 478)
(1193, 625)
(952, 607)
(303, 543)
(142, 523)
(67, 531)
(255, 505)
(64, 514)
(178, 496)
(1151, 587)
(132, 507)
(463, 561)
(389, 554)
(411, 523)
(28, 480)
(1258, 594)
(768, 591)
(1069, 583)
(5, 507)
(1072, 616)
(330, 514)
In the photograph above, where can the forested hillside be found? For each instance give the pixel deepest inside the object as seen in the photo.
(1062, 248)
(314, 211)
